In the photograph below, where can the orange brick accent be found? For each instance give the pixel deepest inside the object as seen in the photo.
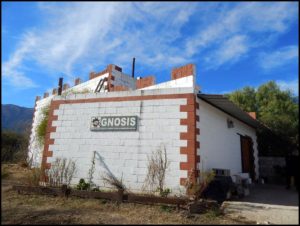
(190, 137)
(46, 95)
(145, 82)
(66, 86)
(183, 71)
(252, 114)
(94, 75)
(77, 81)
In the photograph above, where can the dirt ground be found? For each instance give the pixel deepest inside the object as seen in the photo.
(38, 209)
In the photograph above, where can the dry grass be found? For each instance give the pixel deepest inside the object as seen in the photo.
(37, 209)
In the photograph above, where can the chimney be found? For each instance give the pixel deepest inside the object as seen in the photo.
(252, 114)
(77, 81)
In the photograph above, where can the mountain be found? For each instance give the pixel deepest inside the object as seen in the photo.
(16, 118)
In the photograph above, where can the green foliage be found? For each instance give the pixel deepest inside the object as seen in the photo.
(14, 147)
(42, 126)
(275, 108)
(82, 185)
(165, 192)
(166, 208)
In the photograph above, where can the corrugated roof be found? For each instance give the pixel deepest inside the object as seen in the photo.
(224, 104)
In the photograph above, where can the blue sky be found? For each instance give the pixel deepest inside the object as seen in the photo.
(232, 44)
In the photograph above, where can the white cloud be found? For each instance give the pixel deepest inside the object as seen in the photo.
(13, 71)
(257, 21)
(292, 85)
(232, 50)
(278, 58)
(92, 34)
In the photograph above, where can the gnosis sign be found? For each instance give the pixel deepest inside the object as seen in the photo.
(113, 123)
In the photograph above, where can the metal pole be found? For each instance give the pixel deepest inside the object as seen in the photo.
(60, 84)
(133, 64)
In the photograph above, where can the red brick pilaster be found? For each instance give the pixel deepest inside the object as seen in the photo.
(191, 137)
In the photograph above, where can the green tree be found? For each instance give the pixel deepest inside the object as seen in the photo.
(275, 108)
(14, 147)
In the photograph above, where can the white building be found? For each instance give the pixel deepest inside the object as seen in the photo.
(199, 131)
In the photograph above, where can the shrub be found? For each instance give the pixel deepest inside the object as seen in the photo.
(61, 172)
(82, 185)
(165, 192)
(14, 147)
(197, 188)
(157, 166)
(42, 126)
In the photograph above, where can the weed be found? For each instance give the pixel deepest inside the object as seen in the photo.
(157, 166)
(113, 181)
(61, 172)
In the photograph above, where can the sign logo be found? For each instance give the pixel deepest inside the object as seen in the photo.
(114, 123)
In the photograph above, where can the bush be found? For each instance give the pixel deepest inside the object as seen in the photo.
(197, 188)
(165, 192)
(61, 172)
(82, 185)
(42, 126)
(14, 147)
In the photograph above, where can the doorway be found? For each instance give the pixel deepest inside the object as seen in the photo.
(247, 154)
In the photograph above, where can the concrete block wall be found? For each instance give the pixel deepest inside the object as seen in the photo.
(267, 169)
(124, 154)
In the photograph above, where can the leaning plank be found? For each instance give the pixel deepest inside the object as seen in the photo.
(154, 199)
(37, 190)
(97, 195)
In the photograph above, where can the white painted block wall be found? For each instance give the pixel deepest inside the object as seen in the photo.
(124, 154)
(35, 149)
(220, 146)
